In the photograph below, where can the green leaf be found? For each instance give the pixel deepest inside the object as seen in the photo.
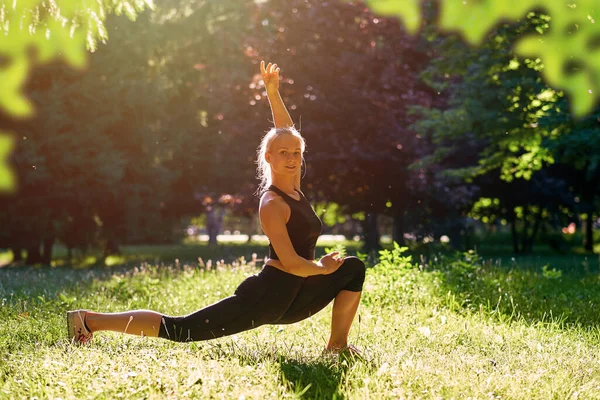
(476, 18)
(570, 60)
(408, 10)
(7, 179)
(74, 51)
(148, 3)
(53, 35)
(574, 28)
(71, 48)
(13, 78)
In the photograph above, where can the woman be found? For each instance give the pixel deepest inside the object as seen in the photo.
(291, 287)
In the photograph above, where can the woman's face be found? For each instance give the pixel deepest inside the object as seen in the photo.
(285, 155)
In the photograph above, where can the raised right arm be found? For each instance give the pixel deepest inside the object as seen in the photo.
(270, 75)
(273, 213)
(281, 116)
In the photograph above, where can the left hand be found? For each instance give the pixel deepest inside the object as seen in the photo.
(331, 262)
(270, 75)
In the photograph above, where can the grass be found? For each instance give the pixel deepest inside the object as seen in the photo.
(445, 327)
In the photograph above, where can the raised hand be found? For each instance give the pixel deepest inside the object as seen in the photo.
(270, 75)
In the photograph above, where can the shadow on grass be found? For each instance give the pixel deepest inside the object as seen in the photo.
(323, 377)
(547, 291)
(32, 281)
(77, 279)
(317, 379)
(193, 253)
(37, 289)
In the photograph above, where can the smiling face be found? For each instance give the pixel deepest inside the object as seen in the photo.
(285, 155)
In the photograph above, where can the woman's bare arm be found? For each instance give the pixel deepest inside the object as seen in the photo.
(281, 116)
(270, 75)
(272, 213)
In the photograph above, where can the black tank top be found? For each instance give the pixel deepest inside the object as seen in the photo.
(304, 226)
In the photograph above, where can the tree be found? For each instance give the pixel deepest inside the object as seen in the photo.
(580, 157)
(566, 44)
(148, 136)
(51, 32)
(491, 123)
(352, 85)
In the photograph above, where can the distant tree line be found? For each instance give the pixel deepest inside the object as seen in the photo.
(164, 125)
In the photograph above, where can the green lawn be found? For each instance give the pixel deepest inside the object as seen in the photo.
(189, 252)
(451, 327)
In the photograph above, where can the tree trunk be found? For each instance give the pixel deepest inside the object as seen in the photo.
(34, 255)
(214, 220)
(455, 232)
(111, 247)
(371, 233)
(398, 228)
(589, 233)
(46, 256)
(589, 198)
(17, 256)
(513, 230)
(254, 227)
(525, 233)
(536, 227)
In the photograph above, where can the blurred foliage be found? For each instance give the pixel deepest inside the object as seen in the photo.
(35, 32)
(413, 127)
(567, 47)
(6, 177)
(119, 154)
(504, 130)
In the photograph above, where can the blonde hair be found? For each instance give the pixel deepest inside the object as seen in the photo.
(263, 169)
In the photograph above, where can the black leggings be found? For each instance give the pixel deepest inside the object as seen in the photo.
(270, 297)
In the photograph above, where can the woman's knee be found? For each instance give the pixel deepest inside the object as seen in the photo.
(357, 269)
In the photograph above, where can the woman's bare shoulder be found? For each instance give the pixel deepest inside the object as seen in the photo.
(271, 202)
(271, 199)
